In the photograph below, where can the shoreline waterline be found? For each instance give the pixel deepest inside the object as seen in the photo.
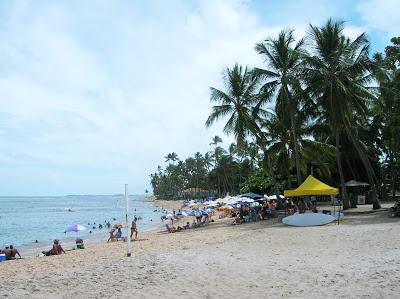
(26, 219)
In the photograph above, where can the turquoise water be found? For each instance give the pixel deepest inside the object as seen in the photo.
(26, 219)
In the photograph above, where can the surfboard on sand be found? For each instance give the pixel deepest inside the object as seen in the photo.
(308, 219)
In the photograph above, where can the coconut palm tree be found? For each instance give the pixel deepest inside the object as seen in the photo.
(242, 105)
(236, 103)
(283, 58)
(337, 74)
(171, 157)
(280, 142)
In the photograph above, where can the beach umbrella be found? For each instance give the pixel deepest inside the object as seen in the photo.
(247, 200)
(189, 213)
(169, 216)
(75, 228)
(251, 195)
(197, 213)
(213, 204)
(232, 201)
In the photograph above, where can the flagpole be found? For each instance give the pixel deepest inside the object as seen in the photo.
(128, 236)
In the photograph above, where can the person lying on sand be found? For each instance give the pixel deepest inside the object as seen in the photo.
(56, 250)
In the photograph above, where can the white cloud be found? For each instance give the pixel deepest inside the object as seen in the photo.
(112, 102)
(94, 94)
(383, 15)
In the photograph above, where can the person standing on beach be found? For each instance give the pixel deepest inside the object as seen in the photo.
(134, 228)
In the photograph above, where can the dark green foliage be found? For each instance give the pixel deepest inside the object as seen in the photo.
(261, 183)
(321, 104)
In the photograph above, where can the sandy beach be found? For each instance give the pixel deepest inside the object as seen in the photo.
(356, 259)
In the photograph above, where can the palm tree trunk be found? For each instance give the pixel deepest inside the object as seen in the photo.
(392, 171)
(368, 167)
(288, 176)
(271, 171)
(296, 150)
(346, 202)
(262, 144)
(353, 174)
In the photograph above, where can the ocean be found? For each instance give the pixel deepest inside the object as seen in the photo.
(23, 220)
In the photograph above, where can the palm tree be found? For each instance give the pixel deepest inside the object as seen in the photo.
(171, 157)
(280, 142)
(236, 103)
(241, 104)
(337, 74)
(215, 140)
(386, 110)
(283, 57)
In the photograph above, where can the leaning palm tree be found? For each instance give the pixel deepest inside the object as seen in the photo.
(283, 58)
(337, 74)
(280, 142)
(239, 103)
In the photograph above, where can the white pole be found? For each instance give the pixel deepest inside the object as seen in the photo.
(128, 235)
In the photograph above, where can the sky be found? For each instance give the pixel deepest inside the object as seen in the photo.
(94, 94)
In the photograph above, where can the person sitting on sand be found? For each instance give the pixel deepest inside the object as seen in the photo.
(12, 252)
(237, 221)
(79, 243)
(170, 229)
(194, 224)
(302, 205)
(112, 236)
(134, 228)
(56, 250)
(187, 226)
(118, 235)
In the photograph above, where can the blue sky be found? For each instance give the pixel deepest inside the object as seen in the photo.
(93, 94)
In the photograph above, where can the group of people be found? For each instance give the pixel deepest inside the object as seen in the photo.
(300, 205)
(116, 232)
(10, 252)
(262, 211)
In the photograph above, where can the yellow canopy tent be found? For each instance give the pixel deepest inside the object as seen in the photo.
(312, 186)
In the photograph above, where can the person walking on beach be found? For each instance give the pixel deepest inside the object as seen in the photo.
(134, 228)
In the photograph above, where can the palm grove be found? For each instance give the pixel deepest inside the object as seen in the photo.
(320, 104)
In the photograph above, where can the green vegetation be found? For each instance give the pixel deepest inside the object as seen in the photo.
(320, 104)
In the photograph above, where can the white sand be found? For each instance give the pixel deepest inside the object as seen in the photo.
(358, 258)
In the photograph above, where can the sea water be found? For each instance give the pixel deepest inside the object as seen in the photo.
(23, 220)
